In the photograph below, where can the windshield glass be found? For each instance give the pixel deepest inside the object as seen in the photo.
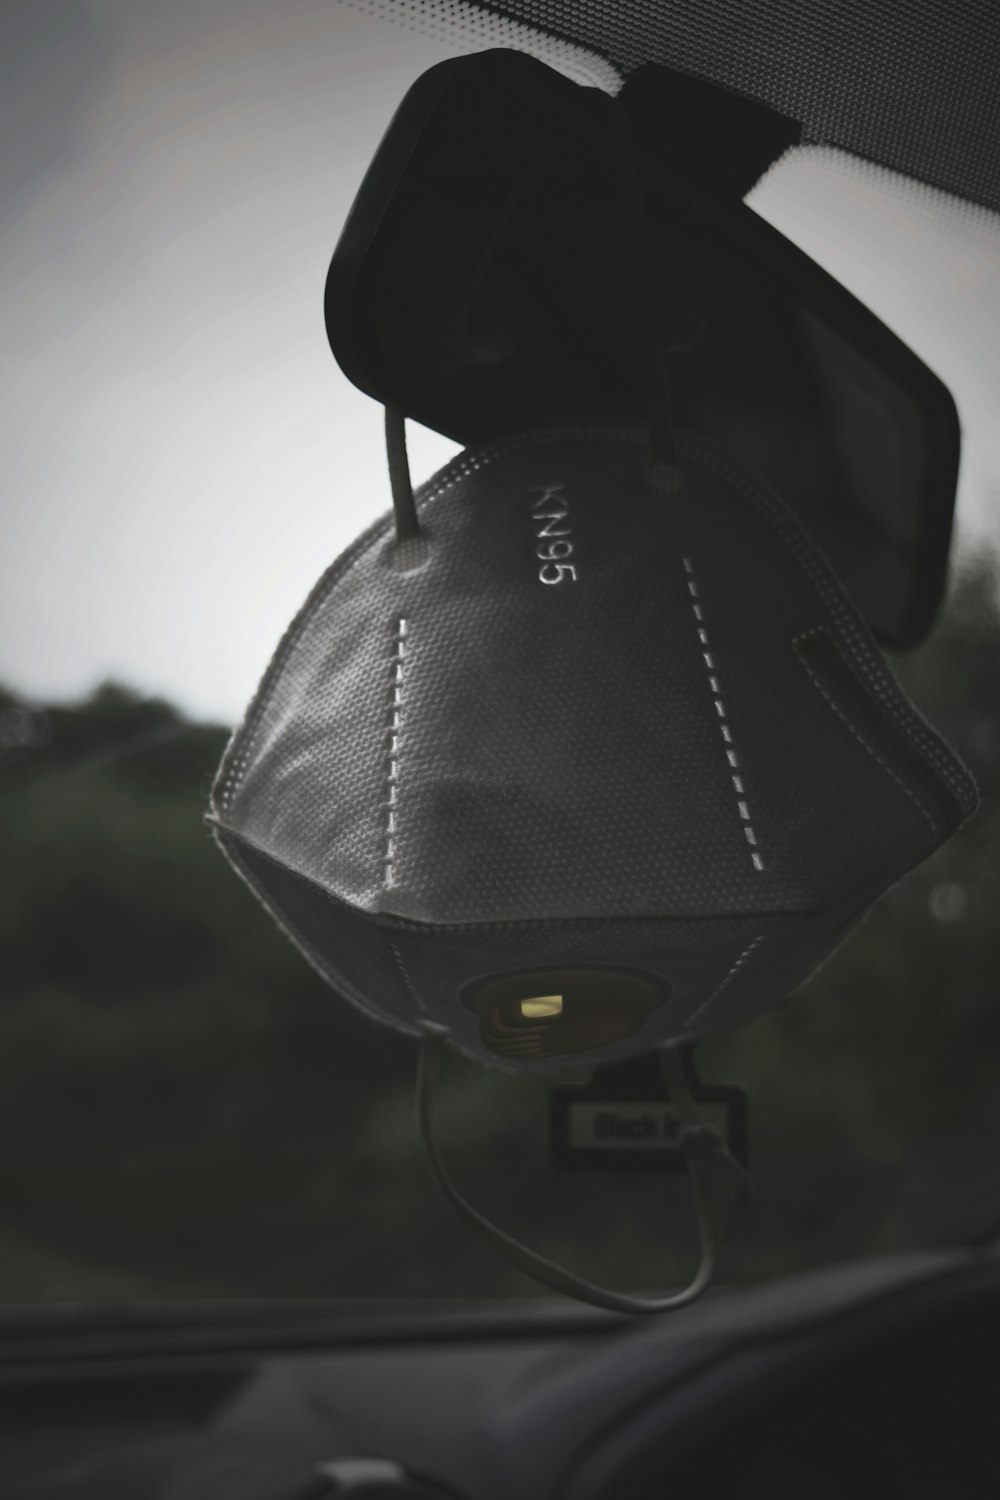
(187, 1111)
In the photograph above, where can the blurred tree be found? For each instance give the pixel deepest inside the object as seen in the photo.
(186, 1110)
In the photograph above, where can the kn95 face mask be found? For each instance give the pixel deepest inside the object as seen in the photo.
(584, 766)
(585, 756)
(588, 752)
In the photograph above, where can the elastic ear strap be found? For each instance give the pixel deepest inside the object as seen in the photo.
(702, 1150)
(403, 504)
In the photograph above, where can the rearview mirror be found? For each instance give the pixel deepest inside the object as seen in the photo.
(480, 285)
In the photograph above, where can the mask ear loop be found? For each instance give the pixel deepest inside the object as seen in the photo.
(403, 504)
(700, 1143)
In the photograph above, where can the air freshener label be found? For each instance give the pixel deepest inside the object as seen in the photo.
(623, 1120)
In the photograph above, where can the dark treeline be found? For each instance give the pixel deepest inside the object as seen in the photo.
(187, 1111)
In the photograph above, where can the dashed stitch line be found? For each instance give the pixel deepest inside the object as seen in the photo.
(411, 988)
(740, 963)
(875, 672)
(859, 736)
(398, 662)
(720, 709)
(243, 742)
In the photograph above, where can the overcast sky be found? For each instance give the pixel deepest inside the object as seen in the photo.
(181, 455)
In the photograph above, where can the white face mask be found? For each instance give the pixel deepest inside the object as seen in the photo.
(585, 767)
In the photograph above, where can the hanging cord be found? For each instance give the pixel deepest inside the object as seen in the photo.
(700, 1143)
(642, 333)
(403, 504)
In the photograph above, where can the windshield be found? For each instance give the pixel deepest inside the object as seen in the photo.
(188, 1112)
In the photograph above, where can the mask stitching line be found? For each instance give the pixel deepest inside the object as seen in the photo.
(408, 984)
(316, 960)
(740, 963)
(817, 571)
(544, 926)
(809, 634)
(742, 805)
(397, 662)
(243, 742)
(466, 464)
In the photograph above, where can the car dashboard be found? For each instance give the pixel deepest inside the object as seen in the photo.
(874, 1377)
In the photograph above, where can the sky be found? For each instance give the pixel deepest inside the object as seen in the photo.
(181, 455)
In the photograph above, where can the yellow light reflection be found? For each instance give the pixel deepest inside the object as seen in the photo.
(542, 1007)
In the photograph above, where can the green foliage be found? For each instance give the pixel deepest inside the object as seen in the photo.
(186, 1110)
(882, 1069)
